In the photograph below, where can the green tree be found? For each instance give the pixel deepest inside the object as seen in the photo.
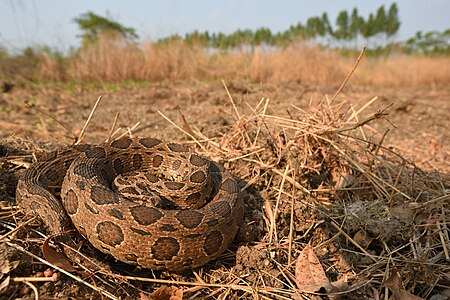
(380, 20)
(298, 31)
(380, 23)
(326, 24)
(343, 29)
(315, 27)
(356, 24)
(432, 42)
(93, 25)
(392, 21)
(243, 37)
(262, 36)
(369, 30)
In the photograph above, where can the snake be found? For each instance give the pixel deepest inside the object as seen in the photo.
(146, 202)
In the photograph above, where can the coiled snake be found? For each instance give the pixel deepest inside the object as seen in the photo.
(190, 217)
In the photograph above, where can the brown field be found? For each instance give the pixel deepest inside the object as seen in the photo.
(362, 178)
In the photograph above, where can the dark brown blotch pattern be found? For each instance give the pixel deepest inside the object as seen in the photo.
(145, 215)
(168, 227)
(221, 208)
(198, 177)
(109, 233)
(92, 209)
(213, 242)
(149, 142)
(122, 143)
(165, 248)
(178, 147)
(157, 160)
(116, 214)
(137, 161)
(70, 202)
(151, 177)
(189, 218)
(192, 235)
(102, 196)
(230, 186)
(139, 231)
(174, 186)
(197, 160)
(194, 197)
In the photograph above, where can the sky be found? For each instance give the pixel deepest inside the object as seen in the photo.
(50, 22)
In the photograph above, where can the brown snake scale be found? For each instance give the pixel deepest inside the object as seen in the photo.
(145, 202)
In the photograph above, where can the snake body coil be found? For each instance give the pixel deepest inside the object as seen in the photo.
(186, 214)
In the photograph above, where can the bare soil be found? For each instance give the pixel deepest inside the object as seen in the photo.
(34, 120)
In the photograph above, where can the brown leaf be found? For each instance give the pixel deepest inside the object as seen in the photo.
(167, 293)
(309, 274)
(395, 285)
(56, 258)
(362, 239)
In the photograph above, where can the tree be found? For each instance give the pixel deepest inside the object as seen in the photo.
(298, 31)
(262, 36)
(326, 24)
(356, 24)
(380, 20)
(392, 21)
(342, 32)
(314, 27)
(93, 25)
(380, 23)
(432, 42)
(369, 27)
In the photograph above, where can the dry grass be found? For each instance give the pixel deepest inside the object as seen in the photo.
(405, 70)
(115, 60)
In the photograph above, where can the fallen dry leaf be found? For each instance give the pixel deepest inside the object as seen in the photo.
(395, 285)
(166, 293)
(56, 258)
(309, 274)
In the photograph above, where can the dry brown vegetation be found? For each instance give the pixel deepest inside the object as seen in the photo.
(115, 60)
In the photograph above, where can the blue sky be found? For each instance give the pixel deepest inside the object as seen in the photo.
(49, 22)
